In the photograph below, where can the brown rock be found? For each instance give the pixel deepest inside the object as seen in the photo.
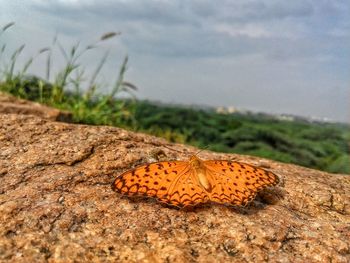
(56, 204)
(11, 104)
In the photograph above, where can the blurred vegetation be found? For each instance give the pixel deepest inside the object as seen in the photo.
(323, 146)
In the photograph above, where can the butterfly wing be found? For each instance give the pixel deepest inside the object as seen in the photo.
(170, 182)
(185, 191)
(236, 183)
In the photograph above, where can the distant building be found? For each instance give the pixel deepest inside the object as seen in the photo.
(220, 110)
(284, 117)
(231, 109)
(226, 110)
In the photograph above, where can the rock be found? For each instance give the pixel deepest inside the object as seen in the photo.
(11, 104)
(57, 205)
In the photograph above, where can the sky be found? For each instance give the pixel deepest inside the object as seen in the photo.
(284, 57)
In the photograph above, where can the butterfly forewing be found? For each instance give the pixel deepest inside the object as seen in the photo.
(236, 183)
(170, 182)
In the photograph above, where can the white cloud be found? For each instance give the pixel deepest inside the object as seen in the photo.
(247, 30)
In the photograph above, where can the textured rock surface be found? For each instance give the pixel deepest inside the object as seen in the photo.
(10, 104)
(56, 204)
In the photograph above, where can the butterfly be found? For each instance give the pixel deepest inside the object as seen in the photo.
(193, 182)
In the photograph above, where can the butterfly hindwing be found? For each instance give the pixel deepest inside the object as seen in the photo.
(167, 181)
(237, 183)
(186, 192)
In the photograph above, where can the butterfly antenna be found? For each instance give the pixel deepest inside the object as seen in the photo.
(173, 149)
(201, 150)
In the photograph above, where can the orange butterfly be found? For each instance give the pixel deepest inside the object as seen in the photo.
(190, 183)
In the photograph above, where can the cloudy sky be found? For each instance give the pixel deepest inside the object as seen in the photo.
(270, 56)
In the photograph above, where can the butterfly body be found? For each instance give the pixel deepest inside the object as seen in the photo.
(198, 172)
(189, 183)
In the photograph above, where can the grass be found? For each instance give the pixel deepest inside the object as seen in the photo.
(71, 88)
(321, 146)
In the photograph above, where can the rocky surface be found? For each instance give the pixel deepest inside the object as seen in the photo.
(57, 205)
(11, 104)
